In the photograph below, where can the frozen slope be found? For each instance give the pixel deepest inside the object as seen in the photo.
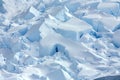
(59, 39)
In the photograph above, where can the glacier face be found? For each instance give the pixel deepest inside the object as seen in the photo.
(59, 39)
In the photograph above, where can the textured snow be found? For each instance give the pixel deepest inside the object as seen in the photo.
(59, 39)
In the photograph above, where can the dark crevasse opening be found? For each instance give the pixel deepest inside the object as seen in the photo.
(57, 48)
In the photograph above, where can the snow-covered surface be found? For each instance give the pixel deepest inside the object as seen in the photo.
(59, 39)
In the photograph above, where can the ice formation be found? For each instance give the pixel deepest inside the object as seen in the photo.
(59, 39)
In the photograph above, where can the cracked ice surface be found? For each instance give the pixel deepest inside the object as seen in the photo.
(59, 39)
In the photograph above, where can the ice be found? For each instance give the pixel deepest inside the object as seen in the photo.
(110, 8)
(101, 22)
(41, 7)
(116, 27)
(33, 33)
(28, 16)
(2, 10)
(2, 59)
(66, 28)
(62, 15)
(56, 74)
(59, 39)
(34, 11)
(116, 38)
(23, 31)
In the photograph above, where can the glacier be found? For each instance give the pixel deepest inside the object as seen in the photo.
(59, 40)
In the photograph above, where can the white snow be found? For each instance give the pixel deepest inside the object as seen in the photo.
(59, 39)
